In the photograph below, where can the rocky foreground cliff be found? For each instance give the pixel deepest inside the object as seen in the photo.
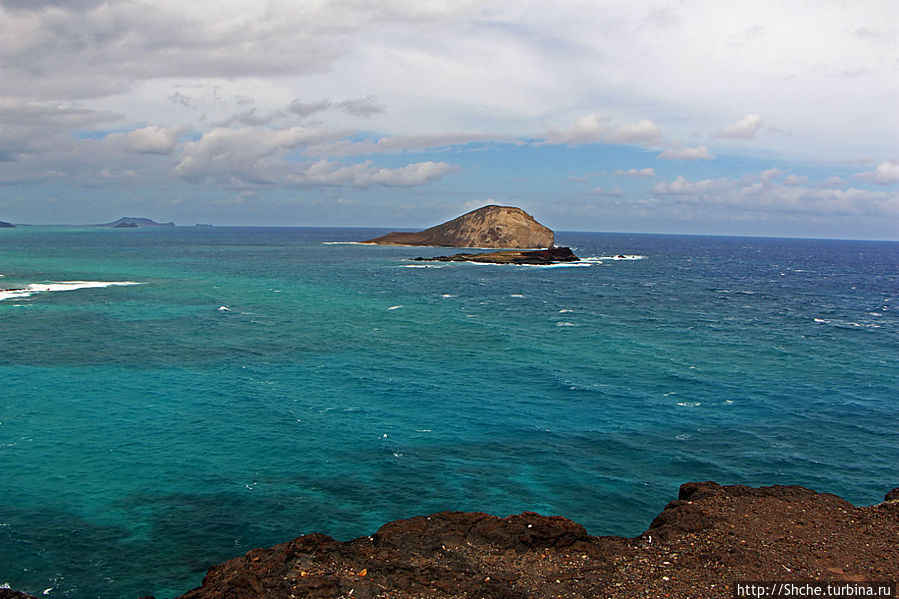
(698, 547)
(703, 542)
(496, 227)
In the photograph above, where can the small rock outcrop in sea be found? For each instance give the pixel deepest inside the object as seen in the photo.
(501, 227)
(536, 257)
(6, 225)
(697, 547)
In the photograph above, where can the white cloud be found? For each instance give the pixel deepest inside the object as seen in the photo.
(682, 186)
(44, 126)
(364, 174)
(587, 129)
(148, 140)
(222, 151)
(684, 153)
(257, 157)
(745, 128)
(642, 132)
(753, 195)
(794, 180)
(643, 172)
(886, 173)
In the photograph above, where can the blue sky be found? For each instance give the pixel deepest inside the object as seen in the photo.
(741, 118)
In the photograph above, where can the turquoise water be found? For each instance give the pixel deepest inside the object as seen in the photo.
(147, 433)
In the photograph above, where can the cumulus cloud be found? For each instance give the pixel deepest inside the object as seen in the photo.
(586, 130)
(642, 132)
(364, 174)
(757, 195)
(222, 151)
(643, 172)
(794, 180)
(148, 140)
(256, 157)
(677, 152)
(745, 128)
(886, 173)
(44, 126)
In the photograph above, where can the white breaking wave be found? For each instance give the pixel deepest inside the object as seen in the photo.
(345, 243)
(34, 288)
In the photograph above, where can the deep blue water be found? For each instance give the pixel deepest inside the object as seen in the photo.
(146, 434)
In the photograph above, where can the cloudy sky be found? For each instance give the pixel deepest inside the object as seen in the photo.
(738, 117)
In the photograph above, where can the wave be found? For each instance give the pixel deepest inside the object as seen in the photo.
(345, 243)
(34, 288)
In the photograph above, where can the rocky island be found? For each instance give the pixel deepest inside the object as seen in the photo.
(700, 545)
(494, 227)
(131, 222)
(6, 225)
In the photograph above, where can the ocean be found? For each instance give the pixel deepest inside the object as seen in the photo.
(174, 397)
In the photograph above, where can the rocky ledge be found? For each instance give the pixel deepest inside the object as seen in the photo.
(697, 547)
(700, 545)
(547, 256)
(486, 227)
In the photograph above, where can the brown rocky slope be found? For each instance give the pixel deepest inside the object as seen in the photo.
(697, 547)
(700, 545)
(499, 227)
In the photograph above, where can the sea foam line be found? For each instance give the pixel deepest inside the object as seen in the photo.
(34, 288)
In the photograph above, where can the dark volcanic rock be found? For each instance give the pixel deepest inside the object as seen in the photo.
(892, 495)
(487, 227)
(697, 547)
(547, 256)
(125, 225)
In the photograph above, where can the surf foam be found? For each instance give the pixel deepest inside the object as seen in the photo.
(33, 288)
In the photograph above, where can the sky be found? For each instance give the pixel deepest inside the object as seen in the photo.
(756, 117)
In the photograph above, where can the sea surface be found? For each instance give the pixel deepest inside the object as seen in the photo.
(171, 398)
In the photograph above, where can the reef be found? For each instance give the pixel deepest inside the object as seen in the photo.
(547, 256)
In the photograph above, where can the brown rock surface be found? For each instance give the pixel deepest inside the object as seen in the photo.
(488, 227)
(547, 256)
(697, 547)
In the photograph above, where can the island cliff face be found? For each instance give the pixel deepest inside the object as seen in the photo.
(499, 227)
(700, 545)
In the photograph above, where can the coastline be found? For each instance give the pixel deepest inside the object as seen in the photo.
(708, 539)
